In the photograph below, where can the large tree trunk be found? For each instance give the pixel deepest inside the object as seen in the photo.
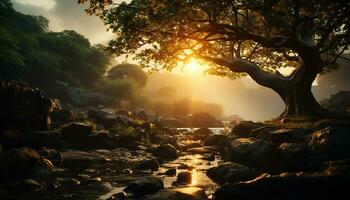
(296, 89)
(300, 102)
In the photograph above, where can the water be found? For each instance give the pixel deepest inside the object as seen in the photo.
(215, 130)
(98, 174)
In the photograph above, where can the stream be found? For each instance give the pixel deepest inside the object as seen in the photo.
(99, 174)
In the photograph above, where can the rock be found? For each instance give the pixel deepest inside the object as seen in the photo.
(166, 152)
(216, 140)
(324, 123)
(202, 133)
(184, 178)
(127, 171)
(144, 186)
(297, 157)
(331, 143)
(185, 166)
(82, 159)
(151, 164)
(42, 168)
(77, 133)
(243, 128)
(61, 116)
(230, 172)
(118, 196)
(288, 186)
(101, 140)
(183, 193)
(39, 139)
(105, 117)
(281, 135)
(338, 168)
(22, 106)
(30, 184)
(288, 135)
(17, 163)
(51, 154)
(170, 172)
(254, 153)
(123, 112)
(209, 157)
(68, 182)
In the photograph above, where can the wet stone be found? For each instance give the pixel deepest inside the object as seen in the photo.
(184, 178)
(144, 186)
(170, 172)
(151, 164)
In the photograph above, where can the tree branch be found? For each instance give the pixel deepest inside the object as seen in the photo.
(244, 66)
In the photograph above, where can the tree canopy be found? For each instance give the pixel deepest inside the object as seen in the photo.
(266, 33)
(239, 37)
(129, 71)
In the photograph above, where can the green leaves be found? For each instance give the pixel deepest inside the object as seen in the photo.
(270, 33)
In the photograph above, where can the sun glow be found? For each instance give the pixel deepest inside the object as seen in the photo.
(193, 67)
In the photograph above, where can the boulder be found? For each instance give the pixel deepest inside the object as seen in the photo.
(184, 178)
(331, 143)
(183, 193)
(22, 107)
(254, 153)
(166, 152)
(170, 172)
(297, 157)
(202, 133)
(123, 112)
(151, 164)
(100, 140)
(105, 117)
(243, 128)
(29, 185)
(42, 168)
(230, 172)
(144, 186)
(216, 140)
(23, 163)
(77, 134)
(38, 139)
(289, 135)
(300, 185)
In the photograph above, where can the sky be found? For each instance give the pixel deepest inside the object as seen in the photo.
(243, 97)
(66, 15)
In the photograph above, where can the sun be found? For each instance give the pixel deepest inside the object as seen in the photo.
(193, 67)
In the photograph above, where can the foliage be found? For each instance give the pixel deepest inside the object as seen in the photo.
(270, 33)
(129, 71)
(122, 130)
(120, 88)
(29, 51)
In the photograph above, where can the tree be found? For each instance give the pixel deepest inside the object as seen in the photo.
(129, 71)
(239, 37)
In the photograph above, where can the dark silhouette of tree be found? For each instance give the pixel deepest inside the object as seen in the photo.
(253, 37)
